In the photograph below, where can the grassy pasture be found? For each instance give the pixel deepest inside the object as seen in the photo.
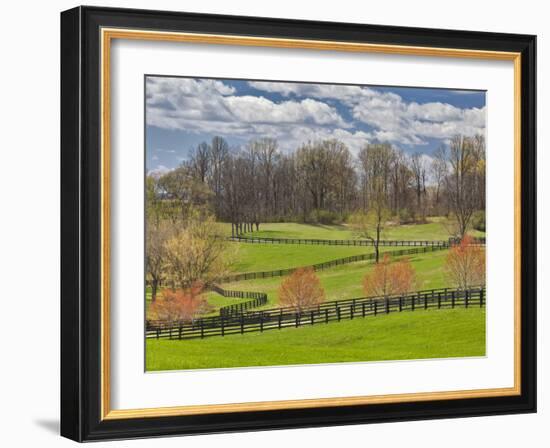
(268, 257)
(346, 281)
(434, 230)
(398, 336)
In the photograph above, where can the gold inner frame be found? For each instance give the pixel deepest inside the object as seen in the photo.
(107, 35)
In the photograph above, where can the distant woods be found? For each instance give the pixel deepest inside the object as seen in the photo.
(322, 182)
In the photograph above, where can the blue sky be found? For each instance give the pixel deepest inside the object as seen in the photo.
(183, 112)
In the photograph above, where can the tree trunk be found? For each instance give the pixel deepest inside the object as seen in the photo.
(377, 244)
(154, 288)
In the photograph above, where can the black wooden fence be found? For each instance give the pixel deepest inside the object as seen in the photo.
(368, 243)
(329, 264)
(309, 241)
(333, 311)
(258, 299)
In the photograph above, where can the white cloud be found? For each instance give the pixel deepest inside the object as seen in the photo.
(210, 106)
(394, 119)
(307, 112)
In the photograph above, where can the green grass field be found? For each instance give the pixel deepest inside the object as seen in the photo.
(346, 281)
(397, 336)
(267, 257)
(436, 229)
(418, 335)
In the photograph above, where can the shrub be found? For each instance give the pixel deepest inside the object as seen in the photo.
(478, 220)
(465, 264)
(388, 278)
(179, 305)
(301, 289)
(318, 216)
(406, 216)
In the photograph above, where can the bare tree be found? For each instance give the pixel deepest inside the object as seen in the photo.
(219, 152)
(200, 161)
(460, 183)
(266, 152)
(418, 167)
(370, 225)
(157, 233)
(439, 170)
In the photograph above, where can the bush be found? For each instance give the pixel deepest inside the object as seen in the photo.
(179, 305)
(478, 220)
(406, 216)
(323, 217)
(301, 289)
(387, 278)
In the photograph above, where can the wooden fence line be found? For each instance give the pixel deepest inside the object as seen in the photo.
(327, 264)
(324, 313)
(368, 243)
(258, 299)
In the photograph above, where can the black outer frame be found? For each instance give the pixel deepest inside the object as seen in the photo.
(80, 224)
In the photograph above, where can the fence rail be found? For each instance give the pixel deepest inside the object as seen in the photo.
(328, 264)
(367, 243)
(258, 299)
(324, 313)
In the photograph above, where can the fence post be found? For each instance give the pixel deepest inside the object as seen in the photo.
(312, 317)
(375, 307)
(412, 302)
(400, 303)
(326, 315)
(387, 305)
(180, 331)
(481, 298)
(425, 301)
(202, 329)
(297, 320)
(280, 319)
(338, 312)
(439, 300)
(452, 299)
(158, 332)
(466, 299)
(170, 333)
(351, 312)
(363, 308)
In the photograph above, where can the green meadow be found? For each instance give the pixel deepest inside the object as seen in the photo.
(436, 229)
(398, 336)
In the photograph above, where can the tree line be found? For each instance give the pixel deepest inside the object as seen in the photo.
(322, 182)
(319, 182)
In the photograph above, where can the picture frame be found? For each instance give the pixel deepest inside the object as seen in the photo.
(86, 37)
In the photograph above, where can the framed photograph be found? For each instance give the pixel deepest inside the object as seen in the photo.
(272, 223)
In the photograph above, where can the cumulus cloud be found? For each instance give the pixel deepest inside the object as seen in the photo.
(207, 105)
(295, 113)
(392, 118)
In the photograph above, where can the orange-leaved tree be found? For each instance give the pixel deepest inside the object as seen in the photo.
(387, 278)
(301, 289)
(465, 264)
(182, 305)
